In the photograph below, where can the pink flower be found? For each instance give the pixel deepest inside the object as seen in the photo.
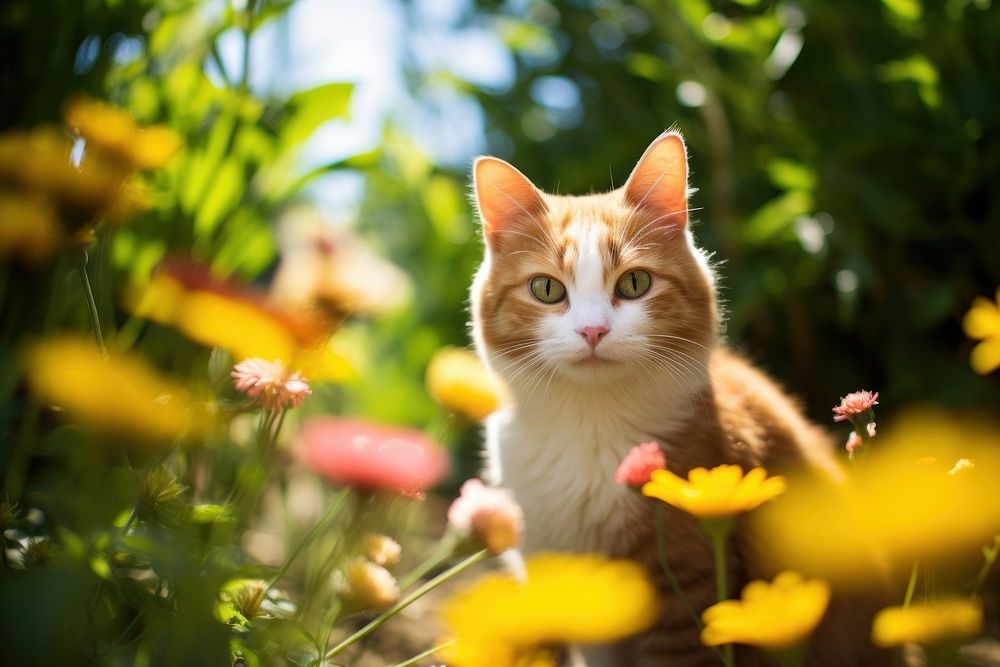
(369, 456)
(639, 464)
(490, 515)
(268, 383)
(854, 404)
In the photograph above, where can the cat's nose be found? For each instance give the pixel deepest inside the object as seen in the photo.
(593, 334)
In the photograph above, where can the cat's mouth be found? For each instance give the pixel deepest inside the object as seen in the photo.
(593, 359)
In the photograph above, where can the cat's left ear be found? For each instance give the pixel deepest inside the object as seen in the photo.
(659, 181)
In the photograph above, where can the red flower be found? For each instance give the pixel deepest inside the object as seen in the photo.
(854, 404)
(639, 464)
(365, 455)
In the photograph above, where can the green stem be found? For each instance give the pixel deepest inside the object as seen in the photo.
(426, 654)
(661, 550)
(95, 320)
(984, 571)
(407, 601)
(911, 587)
(790, 657)
(444, 549)
(307, 539)
(718, 530)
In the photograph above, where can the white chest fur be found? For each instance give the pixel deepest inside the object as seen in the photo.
(558, 454)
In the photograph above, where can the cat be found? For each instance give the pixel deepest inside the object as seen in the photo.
(600, 314)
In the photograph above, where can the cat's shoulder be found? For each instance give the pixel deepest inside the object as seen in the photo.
(761, 422)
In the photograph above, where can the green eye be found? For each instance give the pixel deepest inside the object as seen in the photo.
(547, 290)
(633, 284)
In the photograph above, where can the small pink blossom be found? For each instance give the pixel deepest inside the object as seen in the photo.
(639, 464)
(871, 429)
(268, 383)
(490, 515)
(853, 404)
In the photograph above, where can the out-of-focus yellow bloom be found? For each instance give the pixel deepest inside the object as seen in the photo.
(720, 492)
(236, 326)
(370, 586)
(581, 599)
(121, 394)
(29, 228)
(898, 507)
(770, 615)
(928, 623)
(39, 161)
(982, 322)
(457, 379)
(115, 132)
(222, 314)
(133, 199)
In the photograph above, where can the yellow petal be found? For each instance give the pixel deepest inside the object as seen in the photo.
(985, 357)
(982, 320)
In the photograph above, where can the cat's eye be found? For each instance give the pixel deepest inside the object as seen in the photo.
(633, 284)
(547, 290)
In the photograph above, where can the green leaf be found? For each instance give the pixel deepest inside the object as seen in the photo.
(791, 175)
(917, 70)
(211, 513)
(907, 10)
(224, 193)
(311, 108)
(776, 216)
(444, 202)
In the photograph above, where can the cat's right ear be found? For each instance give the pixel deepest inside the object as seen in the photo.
(504, 196)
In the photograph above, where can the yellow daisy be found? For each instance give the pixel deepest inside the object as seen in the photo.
(928, 623)
(502, 622)
(121, 394)
(770, 615)
(982, 322)
(457, 379)
(720, 492)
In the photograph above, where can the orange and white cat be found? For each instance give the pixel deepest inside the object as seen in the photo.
(600, 314)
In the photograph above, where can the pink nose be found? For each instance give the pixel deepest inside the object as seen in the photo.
(593, 334)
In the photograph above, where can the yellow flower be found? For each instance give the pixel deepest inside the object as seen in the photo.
(39, 161)
(223, 314)
(457, 379)
(121, 394)
(29, 228)
(897, 508)
(928, 623)
(501, 622)
(114, 132)
(720, 492)
(771, 615)
(982, 322)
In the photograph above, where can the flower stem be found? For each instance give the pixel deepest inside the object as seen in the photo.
(718, 530)
(661, 550)
(95, 320)
(307, 539)
(444, 549)
(911, 587)
(990, 556)
(407, 601)
(426, 654)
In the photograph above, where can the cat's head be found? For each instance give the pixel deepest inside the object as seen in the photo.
(596, 287)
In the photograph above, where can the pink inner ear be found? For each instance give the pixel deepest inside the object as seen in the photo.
(659, 181)
(504, 195)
